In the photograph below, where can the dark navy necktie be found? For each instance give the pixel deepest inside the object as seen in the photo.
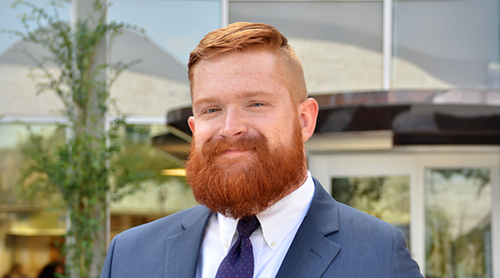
(239, 261)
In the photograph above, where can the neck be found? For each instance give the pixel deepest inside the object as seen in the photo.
(298, 184)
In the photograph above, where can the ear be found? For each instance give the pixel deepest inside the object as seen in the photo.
(191, 124)
(308, 113)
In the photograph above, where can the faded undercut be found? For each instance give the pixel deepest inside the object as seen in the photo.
(244, 35)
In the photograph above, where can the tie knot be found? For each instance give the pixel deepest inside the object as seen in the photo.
(247, 225)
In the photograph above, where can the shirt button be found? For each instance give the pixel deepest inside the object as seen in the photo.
(273, 244)
(226, 244)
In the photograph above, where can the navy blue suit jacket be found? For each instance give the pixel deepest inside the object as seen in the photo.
(334, 240)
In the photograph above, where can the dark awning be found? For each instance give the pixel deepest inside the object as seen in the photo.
(415, 117)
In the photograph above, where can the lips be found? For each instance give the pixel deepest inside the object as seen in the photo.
(231, 152)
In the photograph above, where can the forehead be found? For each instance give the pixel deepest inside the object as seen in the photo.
(254, 70)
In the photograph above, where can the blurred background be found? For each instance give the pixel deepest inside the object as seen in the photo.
(408, 131)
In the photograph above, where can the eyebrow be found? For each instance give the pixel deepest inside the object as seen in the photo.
(256, 93)
(249, 94)
(203, 100)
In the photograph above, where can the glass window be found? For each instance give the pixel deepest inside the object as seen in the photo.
(173, 29)
(158, 194)
(30, 228)
(339, 43)
(14, 138)
(9, 20)
(446, 44)
(458, 223)
(385, 197)
(17, 89)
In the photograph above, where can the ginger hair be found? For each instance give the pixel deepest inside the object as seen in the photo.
(244, 35)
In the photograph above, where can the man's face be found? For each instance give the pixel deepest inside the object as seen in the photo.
(239, 94)
(248, 136)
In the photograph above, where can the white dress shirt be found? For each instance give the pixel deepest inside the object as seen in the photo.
(270, 241)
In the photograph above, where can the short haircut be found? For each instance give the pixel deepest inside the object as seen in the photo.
(245, 35)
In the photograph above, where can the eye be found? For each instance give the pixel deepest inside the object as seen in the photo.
(211, 110)
(257, 104)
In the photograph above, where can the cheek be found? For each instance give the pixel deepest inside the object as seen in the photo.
(202, 134)
(281, 133)
(197, 142)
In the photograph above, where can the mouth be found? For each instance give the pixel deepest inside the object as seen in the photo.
(233, 152)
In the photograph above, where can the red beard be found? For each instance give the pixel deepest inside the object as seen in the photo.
(248, 184)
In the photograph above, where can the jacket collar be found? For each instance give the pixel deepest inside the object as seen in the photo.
(311, 251)
(183, 248)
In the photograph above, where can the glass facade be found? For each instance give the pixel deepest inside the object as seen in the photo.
(158, 195)
(436, 45)
(446, 44)
(29, 227)
(458, 223)
(387, 198)
(339, 43)
(172, 31)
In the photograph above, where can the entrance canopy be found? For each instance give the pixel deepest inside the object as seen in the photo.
(432, 117)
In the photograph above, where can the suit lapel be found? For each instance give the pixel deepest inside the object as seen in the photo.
(311, 251)
(183, 248)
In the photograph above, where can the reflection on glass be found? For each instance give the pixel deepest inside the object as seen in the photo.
(173, 29)
(176, 26)
(9, 20)
(446, 44)
(16, 89)
(458, 223)
(14, 138)
(158, 195)
(338, 42)
(28, 226)
(387, 198)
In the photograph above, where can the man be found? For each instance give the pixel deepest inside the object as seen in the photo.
(262, 214)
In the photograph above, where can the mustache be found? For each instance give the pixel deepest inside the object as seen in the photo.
(214, 148)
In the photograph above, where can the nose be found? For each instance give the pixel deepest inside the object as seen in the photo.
(234, 125)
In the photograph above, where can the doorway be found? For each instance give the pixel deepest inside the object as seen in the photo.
(441, 198)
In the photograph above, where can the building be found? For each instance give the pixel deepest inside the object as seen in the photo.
(409, 126)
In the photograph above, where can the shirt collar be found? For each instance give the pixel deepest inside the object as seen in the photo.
(278, 220)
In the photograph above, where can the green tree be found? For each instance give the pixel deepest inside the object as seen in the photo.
(79, 169)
